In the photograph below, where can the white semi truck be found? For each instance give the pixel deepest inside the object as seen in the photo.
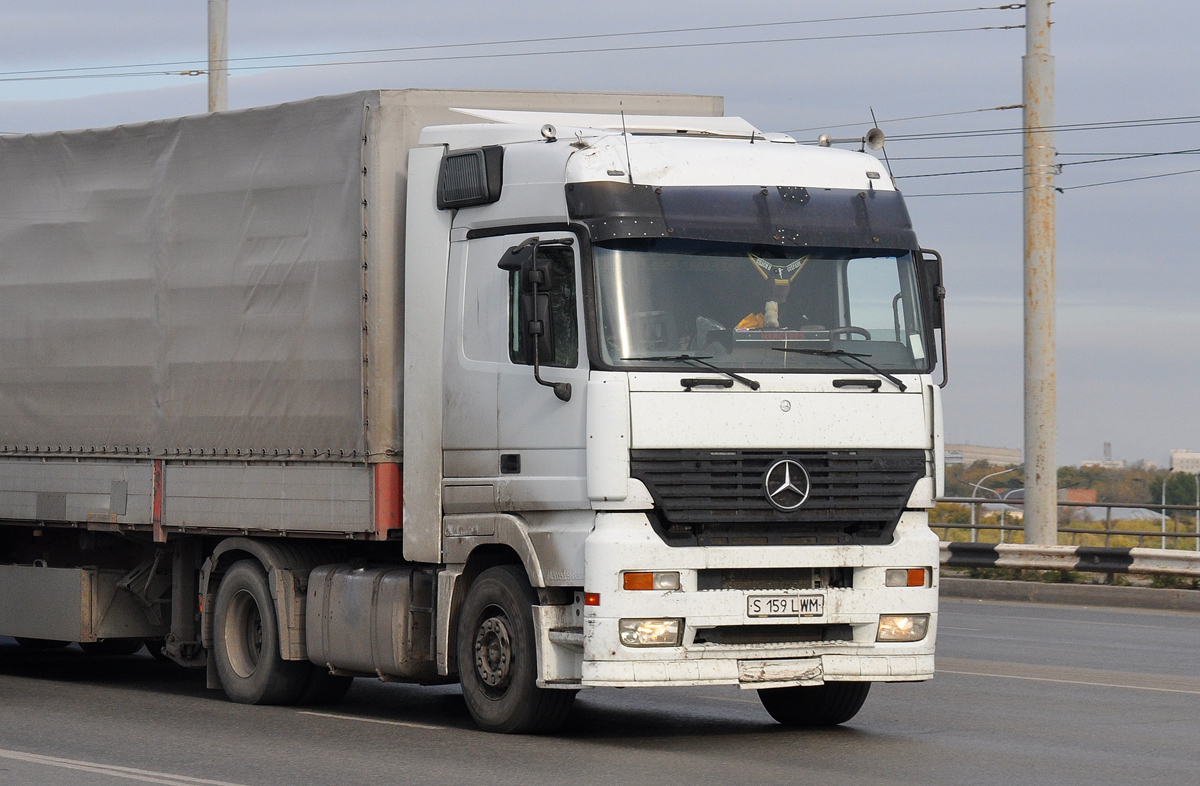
(532, 392)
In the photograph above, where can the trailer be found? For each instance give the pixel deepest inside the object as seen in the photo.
(532, 392)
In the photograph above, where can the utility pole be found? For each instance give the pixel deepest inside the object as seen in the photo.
(1041, 395)
(218, 55)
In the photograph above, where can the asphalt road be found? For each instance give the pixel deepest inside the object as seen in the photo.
(1025, 694)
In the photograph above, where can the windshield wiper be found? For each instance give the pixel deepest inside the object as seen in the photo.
(700, 361)
(841, 353)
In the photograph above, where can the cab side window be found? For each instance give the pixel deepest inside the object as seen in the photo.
(564, 326)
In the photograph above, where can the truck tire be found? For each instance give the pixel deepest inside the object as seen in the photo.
(497, 658)
(246, 641)
(323, 688)
(815, 705)
(111, 646)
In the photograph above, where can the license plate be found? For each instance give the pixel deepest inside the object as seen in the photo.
(785, 605)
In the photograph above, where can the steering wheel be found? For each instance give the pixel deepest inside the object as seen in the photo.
(850, 329)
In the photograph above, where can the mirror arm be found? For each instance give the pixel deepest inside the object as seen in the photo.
(561, 389)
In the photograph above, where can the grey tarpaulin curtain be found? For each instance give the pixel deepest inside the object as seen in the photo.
(189, 284)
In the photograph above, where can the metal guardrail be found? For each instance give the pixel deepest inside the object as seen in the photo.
(1169, 562)
(1162, 535)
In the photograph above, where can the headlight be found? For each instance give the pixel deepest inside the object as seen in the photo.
(903, 627)
(650, 633)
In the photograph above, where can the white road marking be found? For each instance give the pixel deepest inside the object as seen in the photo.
(1069, 682)
(373, 720)
(128, 773)
(1106, 623)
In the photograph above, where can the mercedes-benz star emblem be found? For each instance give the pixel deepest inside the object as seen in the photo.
(786, 484)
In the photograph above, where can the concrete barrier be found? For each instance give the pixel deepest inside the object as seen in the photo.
(1100, 595)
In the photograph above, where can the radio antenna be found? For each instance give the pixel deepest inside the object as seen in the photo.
(883, 148)
(625, 134)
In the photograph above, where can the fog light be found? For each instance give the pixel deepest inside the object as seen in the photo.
(906, 577)
(903, 627)
(665, 580)
(650, 633)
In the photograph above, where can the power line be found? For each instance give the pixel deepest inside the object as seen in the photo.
(958, 158)
(961, 172)
(1130, 179)
(1131, 156)
(1018, 155)
(960, 193)
(590, 36)
(1190, 151)
(497, 55)
(1093, 126)
(913, 117)
(1060, 188)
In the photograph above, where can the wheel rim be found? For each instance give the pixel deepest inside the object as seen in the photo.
(243, 634)
(494, 653)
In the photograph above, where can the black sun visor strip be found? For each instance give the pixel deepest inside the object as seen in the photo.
(778, 215)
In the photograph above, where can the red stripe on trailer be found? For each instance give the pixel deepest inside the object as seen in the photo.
(388, 500)
(157, 503)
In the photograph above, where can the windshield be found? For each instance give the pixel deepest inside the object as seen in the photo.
(737, 304)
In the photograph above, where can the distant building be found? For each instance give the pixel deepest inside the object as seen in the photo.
(1184, 461)
(1078, 496)
(969, 454)
(1106, 463)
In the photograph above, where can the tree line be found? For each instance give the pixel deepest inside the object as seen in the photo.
(1137, 483)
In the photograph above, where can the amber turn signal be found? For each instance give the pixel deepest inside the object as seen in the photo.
(645, 580)
(906, 577)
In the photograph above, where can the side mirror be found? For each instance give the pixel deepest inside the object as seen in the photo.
(929, 272)
(929, 269)
(536, 277)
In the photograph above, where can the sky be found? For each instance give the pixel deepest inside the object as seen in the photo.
(1128, 279)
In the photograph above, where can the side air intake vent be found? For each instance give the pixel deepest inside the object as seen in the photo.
(471, 177)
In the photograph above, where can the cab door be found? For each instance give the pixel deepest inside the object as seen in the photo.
(511, 443)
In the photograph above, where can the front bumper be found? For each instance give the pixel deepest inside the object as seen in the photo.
(626, 541)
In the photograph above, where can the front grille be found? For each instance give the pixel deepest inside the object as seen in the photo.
(772, 634)
(716, 497)
(773, 578)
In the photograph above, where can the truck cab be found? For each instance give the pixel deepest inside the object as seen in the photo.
(687, 377)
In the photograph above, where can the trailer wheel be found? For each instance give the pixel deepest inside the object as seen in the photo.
(497, 657)
(816, 705)
(246, 641)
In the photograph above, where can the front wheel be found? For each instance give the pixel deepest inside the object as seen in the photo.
(246, 641)
(815, 705)
(497, 658)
